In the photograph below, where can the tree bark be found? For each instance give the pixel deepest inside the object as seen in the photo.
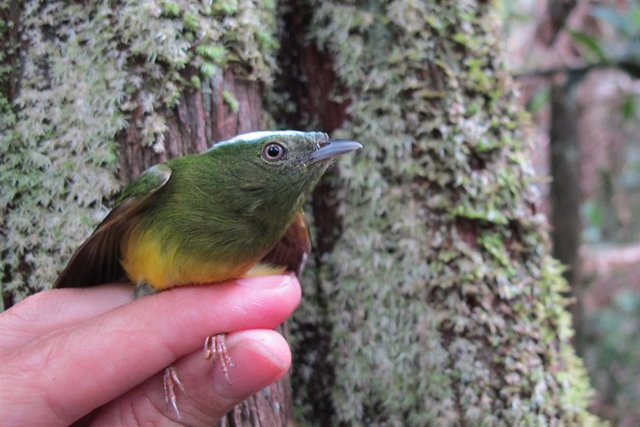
(200, 119)
(431, 257)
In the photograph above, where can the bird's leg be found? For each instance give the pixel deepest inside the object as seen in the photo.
(142, 290)
(214, 347)
(170, 380)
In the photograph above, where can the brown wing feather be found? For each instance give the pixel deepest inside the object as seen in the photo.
(294, 247)
(97, 260)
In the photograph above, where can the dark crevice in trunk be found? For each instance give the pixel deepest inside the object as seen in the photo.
(10, 47)
(10, 75)
(308, 81)
(565, 192)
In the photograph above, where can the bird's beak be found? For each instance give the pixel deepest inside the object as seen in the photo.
(334, 148)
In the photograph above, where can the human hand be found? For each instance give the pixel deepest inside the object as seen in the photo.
(94, 353)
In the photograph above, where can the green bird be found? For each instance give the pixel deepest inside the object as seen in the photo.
(232, 211)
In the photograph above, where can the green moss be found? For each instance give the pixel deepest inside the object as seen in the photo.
(170, 9)
(207, 69)
(444, 306)
(229, 7)
(190, 22)
(196, 82)
(266, 40)
(231, 101)
(213, 52)
(492, 243)
(484, 213)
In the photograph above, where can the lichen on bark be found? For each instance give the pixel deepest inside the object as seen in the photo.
(443, 304)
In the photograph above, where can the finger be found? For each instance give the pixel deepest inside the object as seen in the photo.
(108, 355)
(58, 308)
(261, 357)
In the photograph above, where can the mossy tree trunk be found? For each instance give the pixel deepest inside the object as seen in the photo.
(431, 298)
(435, 300)
(198, 89)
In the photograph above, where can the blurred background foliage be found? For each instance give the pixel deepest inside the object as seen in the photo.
(591, 49)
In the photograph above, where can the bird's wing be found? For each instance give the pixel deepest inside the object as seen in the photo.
(293, 249)
(97, 261)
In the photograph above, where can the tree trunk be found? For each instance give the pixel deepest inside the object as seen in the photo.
(430, 298)
(435, 300)
(213, 108)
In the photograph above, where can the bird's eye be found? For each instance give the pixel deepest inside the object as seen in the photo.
(272, 152)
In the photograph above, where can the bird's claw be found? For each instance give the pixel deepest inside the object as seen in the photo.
(170, 380)
(214, 347)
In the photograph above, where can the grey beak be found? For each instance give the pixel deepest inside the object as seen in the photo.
(335, 148)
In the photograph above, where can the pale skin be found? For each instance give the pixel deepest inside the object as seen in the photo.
(98, 355)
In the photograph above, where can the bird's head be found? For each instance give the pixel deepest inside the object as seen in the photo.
(278, 168)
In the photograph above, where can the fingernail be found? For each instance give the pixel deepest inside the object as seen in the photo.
(266, 281)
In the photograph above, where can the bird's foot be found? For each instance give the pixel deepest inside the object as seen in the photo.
(214, 347)
(170, 380)
(142, 290)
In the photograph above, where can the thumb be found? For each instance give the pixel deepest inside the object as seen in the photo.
(260, 358)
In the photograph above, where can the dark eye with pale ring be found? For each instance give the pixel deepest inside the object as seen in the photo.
(273, 152)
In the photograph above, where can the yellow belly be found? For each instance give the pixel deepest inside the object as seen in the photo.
(147, 260)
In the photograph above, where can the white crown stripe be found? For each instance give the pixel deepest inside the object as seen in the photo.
(253, 137)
